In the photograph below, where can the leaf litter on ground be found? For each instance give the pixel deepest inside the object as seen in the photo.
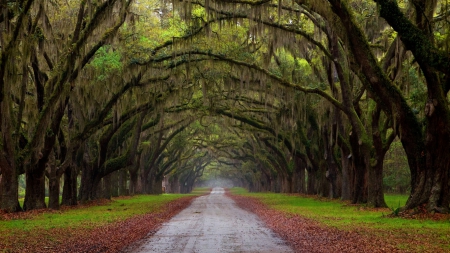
(112, 237)
(307, 235)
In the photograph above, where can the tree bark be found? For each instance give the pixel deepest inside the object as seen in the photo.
(115, 183)
(87, 189)
(311, 183)
(69, 195)
(107, 186)
(299, 175)
(133, 181)
(375, 194)
(9, 187)
(346, 172)
(35, 188)
(53, 191)
(123, 183)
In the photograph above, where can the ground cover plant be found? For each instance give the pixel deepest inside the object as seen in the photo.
(100, 226)
(303, 220)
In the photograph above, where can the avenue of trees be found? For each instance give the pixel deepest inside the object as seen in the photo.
(331, 97)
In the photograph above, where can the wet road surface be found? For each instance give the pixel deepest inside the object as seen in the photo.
(213, 223)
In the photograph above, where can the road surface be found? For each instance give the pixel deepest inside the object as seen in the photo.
(213, 223)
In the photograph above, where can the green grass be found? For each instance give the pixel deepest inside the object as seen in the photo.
(336, 213)
(395, 200)
(201, 190)
(93, 216)
(339, 214)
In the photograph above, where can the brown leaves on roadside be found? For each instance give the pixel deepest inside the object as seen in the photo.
(117, 236)
(305, 235)
(110, 238)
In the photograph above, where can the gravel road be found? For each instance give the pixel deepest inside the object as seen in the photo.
(213, 223)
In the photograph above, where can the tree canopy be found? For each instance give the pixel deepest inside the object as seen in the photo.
(113, 97)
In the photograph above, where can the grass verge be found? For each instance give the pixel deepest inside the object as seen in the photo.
(415, 235)
(45, 227)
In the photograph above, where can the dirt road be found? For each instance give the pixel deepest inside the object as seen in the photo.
(213, 223)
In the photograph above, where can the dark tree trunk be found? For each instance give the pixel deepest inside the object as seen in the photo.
(359, 172)
(107, 186)
(69, 196)
(268, 186)
(375, 186)
(174, 184)
(53, 188)
(289, 184)
(359, 189)
(155, 185)
(324, 184)
(9, 187)
(312, 179)
(346, 175)
(35, 175)
(331, 173)
(146, 181)
(115, 183)
(285, 182)
(133, 181)
(332, 176)
(35, 188)
(123, 183)
(299, 175)
(431, 185)
(134, 171)
(381, 144)
(88, 188)
(152, 183)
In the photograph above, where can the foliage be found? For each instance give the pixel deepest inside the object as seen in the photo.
(106, 62)
(396, 175)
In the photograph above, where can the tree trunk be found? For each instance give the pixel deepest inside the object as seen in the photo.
(285, 182)
(331, 173)
(87, 183)
(289, 184)
(375, 196)
(145, 184)
(134, 171)
(324, 184)
(9, 187)
(53, 189)
(359, 182)
(311, 184)
(35, 187)
(107, 186)
(299, 175)
(174, 184)
(69, 196)
(359, 171)
(346, 175)
(154, 182)
(431, 185)
(155, 185)
(54, 176)
(133, 181)
(123, 183)
(115, 183)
